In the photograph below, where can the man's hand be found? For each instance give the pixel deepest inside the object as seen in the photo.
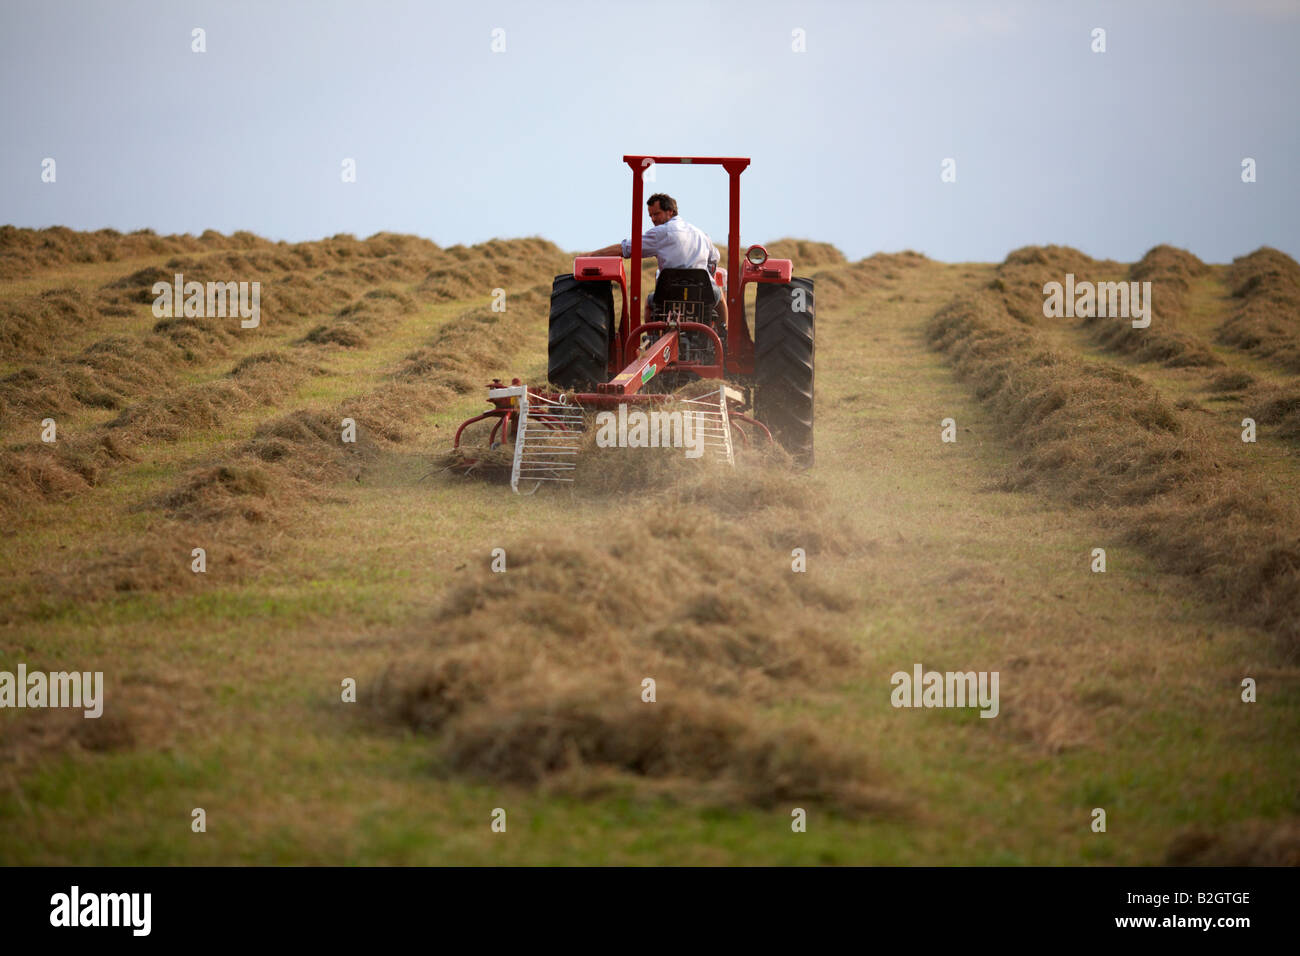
(614, 250)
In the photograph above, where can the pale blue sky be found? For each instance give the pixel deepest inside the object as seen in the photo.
(1111, 152)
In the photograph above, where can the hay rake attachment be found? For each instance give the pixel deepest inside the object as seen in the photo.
(713, 422)
(548, 428)
(548, 437)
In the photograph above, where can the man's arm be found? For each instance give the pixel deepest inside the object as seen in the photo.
(649, 246)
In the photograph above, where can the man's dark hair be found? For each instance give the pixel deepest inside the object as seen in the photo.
(666, 202)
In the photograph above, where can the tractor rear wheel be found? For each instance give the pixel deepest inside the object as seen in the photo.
(784, 323)
(581, 326)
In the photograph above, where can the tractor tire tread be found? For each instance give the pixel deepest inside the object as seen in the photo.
(784, 341)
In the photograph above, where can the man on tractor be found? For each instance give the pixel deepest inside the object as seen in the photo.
(675, 244)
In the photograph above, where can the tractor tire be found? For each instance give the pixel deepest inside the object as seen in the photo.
(783, 365)
(581, 326)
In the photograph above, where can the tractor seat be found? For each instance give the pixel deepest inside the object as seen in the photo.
(690, 293)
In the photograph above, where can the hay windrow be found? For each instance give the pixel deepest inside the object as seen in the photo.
(1278, 406)
(1231, 381)
(114, 372)
(1246, 843)
(1099, 437)
(805, 253)
(1171, 273)
(1265, 317)
(533, 677)
(1023, 274)
(303, 452)
(79, 462)
(32, 325)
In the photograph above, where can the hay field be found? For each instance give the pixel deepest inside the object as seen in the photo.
(522, 691)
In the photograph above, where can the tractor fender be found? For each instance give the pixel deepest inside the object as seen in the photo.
(773, 270)
(598, 268)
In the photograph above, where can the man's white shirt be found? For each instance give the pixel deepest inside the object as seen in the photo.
(676, 244)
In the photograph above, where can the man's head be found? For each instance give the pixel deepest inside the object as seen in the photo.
(661, 207)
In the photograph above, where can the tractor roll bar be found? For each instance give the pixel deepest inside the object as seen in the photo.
(734, 165)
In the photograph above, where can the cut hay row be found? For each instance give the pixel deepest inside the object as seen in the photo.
(1023, 274)
(805, 252)
(1259, 279)
(112, 371)
(1276, 406)
(354, 325)
(1265, 317)
(106, 373)
(1171, 272)
(293, 455)
(39, 472)
(1097, 436)
(31, 326)
(27, 252)
(520, 678)
(292, 461)
(296, 280)
(837, 284)
(31, 252)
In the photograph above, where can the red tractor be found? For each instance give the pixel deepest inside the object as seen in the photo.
(638, 358)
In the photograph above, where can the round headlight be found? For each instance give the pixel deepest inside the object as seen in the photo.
(756, 255)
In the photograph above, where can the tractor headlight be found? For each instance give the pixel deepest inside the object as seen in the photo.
(756, 256)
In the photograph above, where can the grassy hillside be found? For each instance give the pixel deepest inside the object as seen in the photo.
(328, 561)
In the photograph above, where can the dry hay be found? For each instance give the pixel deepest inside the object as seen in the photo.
(287, 461)
(31, 325)
(1234, 380)
(1247, 843)
(158, 561)
(144, 711)
(467, 272)
(263, 378)
(1265, 319)
(805, 253)
(464, 352)
(1022, 274)
(835, 284)
(373, 312)
(37, 472)
(296, 453)
(41, 472)
(1168, 267)
(1171, 272)
(1102, 438)
(27, 252)
(1169, 347)
(220, 492)
(1277, 406)
(113, 372)
(31, 736)
(533, 677)
(103, 375)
